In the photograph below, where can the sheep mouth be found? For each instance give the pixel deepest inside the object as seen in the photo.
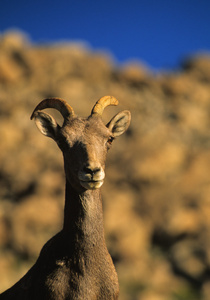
(91, 184)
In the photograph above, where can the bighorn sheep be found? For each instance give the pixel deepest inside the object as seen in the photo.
(75, 263)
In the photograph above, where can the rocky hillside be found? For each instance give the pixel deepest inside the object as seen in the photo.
(157, 191)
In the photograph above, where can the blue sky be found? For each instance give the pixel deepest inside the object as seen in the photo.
(159, 33)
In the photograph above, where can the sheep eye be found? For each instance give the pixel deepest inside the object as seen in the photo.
(110, 140)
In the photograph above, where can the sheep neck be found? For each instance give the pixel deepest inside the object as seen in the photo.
(83, 216)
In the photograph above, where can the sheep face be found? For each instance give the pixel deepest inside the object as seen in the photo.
(84, 143)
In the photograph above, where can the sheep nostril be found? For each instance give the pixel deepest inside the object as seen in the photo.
(96, 170)
(87, 170)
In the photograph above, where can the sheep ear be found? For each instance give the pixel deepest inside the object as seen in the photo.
(46, 124)
(119, 123)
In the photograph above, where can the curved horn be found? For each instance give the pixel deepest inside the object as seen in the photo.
(61, 105)
(103, 102)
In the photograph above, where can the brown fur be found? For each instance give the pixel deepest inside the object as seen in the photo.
(75, 263)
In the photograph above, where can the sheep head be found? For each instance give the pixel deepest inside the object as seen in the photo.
(83, 141)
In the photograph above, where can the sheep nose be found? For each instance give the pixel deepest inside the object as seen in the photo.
(91, 170)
